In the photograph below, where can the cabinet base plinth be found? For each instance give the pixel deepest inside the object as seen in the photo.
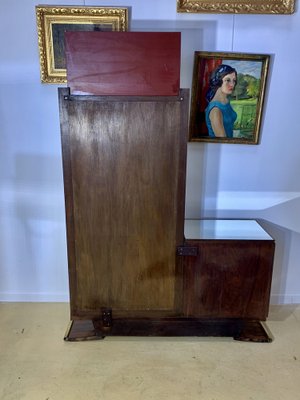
(81, 330)
(254, 331)
(242, 330)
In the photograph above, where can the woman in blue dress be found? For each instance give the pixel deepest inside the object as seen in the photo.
(219, 114)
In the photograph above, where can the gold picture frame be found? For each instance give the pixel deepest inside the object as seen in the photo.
(53, 21)
(228, 92)
(236, 6)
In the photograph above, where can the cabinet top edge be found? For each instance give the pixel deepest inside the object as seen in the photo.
(224, 229)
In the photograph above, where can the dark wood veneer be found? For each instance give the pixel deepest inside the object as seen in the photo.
(124, 161)
(124, 170)
(229, 279)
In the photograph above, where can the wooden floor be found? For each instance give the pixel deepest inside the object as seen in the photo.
(37, 364)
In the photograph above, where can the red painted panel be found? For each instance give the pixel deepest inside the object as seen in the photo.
(123, 63)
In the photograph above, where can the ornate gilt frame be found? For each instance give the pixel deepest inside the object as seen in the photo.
(237, 6)
(112, 18)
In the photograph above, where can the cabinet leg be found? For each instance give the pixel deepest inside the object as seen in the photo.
(81, 330)
(253, 331)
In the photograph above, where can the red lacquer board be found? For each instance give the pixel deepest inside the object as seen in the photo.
(123, 63)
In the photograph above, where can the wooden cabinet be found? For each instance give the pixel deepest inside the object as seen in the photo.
(230, 273)
(135, 266)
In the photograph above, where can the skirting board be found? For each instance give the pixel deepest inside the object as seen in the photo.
(35, 297)
(279, 299)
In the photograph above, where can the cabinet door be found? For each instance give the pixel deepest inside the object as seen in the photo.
(124, 173)
(229, 279)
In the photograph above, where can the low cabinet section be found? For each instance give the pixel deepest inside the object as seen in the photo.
(228, 279)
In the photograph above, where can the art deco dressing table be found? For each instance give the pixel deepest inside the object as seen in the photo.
(135, 266)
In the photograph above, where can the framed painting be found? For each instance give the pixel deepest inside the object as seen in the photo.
(237, 6)
(227, 97)
(54, 21)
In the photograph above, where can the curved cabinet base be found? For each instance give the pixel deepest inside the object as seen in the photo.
(243, 330)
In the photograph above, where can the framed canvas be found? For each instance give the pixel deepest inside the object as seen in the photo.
(237, 7)
(54, 21)
(227, 97)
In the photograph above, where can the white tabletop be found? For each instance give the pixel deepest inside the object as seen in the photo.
(230, 229)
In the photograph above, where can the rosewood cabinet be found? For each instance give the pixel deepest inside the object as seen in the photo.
(135, 266)
(227, 277)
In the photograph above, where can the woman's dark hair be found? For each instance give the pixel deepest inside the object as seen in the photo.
(216, 79)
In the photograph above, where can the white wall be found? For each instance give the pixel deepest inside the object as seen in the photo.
(223, 180)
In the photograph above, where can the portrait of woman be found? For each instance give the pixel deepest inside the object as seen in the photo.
(227, 97)
(219, 115)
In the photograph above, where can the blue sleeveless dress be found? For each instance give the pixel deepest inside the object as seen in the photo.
(229, 117)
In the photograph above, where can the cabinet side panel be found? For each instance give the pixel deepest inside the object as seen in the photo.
(63, 93)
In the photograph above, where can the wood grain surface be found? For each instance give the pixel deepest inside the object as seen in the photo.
(123, 63)
(124, 172)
